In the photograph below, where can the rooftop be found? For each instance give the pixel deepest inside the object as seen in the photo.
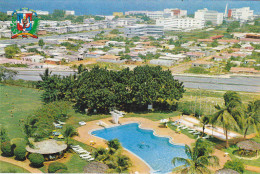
(47, 147)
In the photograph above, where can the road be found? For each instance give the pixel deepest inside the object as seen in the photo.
(234, 83)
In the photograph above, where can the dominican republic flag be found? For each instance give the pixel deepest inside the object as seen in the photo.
(24, 20)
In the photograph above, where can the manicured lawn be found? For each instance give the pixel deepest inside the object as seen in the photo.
(154, 116)
(16, 103)
(246, 162)
(76, 164)
(250, 172)
(10, 168)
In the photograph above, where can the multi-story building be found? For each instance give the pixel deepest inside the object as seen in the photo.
(143, 30)
(9, 12)
(241, 14)
(176, 12)
(69, 12)
(119, 14)
(135, 12)
(155, 14)
(39, 12)
(175, 24)
(208, 15)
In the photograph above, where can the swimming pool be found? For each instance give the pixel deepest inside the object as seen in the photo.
(156, 151)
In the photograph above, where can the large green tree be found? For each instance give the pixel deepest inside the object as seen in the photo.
(231, 114)
(100, 89)
(11, 51)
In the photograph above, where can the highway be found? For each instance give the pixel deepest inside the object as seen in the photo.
(234, 83)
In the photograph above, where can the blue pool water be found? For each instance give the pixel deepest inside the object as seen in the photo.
(158, 152)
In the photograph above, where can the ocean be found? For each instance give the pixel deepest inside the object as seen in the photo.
(107, 7)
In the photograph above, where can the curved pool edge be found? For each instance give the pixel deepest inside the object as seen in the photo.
(139, 126)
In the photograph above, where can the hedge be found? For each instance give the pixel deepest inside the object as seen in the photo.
(7, 149)
(57, 167)
(36, 159)
(20, 152)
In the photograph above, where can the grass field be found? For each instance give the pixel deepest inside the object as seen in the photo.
(10, 168)
(16, 103)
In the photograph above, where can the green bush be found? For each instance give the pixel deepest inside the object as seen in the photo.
(56, 166)
(20, 152)
(197, 70)
(36, 159)
(236, 165)
(7, 149)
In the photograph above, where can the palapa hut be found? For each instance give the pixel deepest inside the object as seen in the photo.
(226, 171)
(249, 145)
(50, 149)
(95, 167)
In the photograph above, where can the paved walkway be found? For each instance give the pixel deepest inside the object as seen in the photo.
(139, 165)
(22, 164)
(253, 168)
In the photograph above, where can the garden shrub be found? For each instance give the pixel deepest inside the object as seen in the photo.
(62, 171)
(20, 152)
(36, 159)
(56, 166)
(7, 149)
(236, 165)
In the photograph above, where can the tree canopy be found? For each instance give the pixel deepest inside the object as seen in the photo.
(101, 89)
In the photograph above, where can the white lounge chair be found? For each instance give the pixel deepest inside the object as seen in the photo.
(82, 152)
(74, 146)
(206, 137)
(184, 127)
(82, 123)
(91, 159)
(85, 156)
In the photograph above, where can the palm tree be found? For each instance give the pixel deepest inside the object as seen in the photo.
(122, 163)
(204, 120)
(252, 117)
(199, 158)
(101, 154)
(230, 115)
(114, 145)
(69, 132)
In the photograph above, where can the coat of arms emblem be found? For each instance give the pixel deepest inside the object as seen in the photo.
(25, 23)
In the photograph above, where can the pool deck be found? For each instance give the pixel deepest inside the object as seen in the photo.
(138, 164)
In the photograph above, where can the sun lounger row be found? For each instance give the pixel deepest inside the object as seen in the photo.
(84, 154)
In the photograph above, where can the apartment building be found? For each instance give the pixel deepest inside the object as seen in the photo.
(176, 12)
(175, 24)
(143, 30)
(40, 12)
(241, 14)
(69, 12)
(209, 15)
(155, 14)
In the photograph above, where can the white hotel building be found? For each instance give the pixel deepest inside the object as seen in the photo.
(241, 14)
(208, 15)
(176, 24)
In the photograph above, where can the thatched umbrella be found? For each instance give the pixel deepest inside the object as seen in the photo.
(95, 167)
(249, 145)
(226, 171)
